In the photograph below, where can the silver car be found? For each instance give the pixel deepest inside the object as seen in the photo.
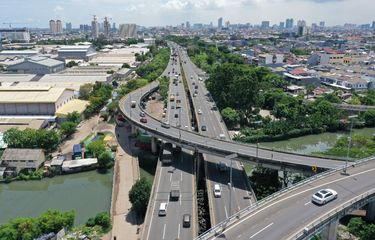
(323, 196)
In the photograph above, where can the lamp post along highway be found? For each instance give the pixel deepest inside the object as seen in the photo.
(231, 156)
(349, 143)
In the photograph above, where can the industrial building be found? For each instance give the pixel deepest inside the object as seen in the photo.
(15, 34)
(18, 159)
(76, 52)
(37, 65)
(43, 101)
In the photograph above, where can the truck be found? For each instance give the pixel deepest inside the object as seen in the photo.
(77, 151)
(133, 104)
(174, 195)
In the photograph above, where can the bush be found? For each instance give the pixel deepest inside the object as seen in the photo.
(68, 128)
(101, 219)
(104, 159)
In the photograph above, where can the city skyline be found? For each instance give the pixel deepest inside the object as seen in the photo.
(174, 12)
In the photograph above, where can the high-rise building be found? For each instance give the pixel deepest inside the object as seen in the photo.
(281, 25)
(301, 23)
(114, 27)
(265, 24)
(289, 23)
(322, 24)
(301, 30)
(52, 26)
(68, 26)
(220, 23)
(128, 31)
(59, 28)
(94, 28)
(107, 27)
(187, 25)
(227, 23)
(373, 25)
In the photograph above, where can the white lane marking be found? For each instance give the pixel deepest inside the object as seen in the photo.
(153, 207)
(226, 212)
(181, 176)
(178, 234)
(164, 231)
(307, 203)
(261, 230)
(170, 178)
(180, 199)
(296, 194)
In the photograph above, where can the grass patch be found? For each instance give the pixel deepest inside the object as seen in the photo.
(147, 175)
(248, 168)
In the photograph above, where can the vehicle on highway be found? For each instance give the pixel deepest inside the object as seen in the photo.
(204, 128)
(167, 157)
(323, 196)
(194, 95)
(186, 219)
(142, 114)
(143, 120)
(196, 86)
(174, 195)
(171, 98)
(199, 112)
(214, 108)
(222, 166)
(193, 83)
(191, 76)
(217, 190)
(165, 125)
(177, 94)
(176, 115)
(200, 79)
(196, 92)
(133, 103)
(163, 209)
(221, 136)
(172, 107)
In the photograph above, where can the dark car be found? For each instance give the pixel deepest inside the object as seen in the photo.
(204, 128)
(186, 219)
(143, 120)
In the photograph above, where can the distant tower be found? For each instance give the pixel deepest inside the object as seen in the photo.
(187, 25)
(107, 27)
(68, 26)
(59, 28)
(95, 28)
(220, 23)
(322, 24)
(52, 26)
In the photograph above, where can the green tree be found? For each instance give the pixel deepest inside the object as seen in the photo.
(85, 90)
(139, 196)
(369, 117)
(68, 128)
(355, 225)
(71, 64)
(96, 148)
(125, 65)
(101, 219)
(230, 116)
(104, 159)
(368, 232)
(73, 117)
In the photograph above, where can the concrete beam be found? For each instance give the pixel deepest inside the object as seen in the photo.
(330, 231)
(154, 147)
(370, 211)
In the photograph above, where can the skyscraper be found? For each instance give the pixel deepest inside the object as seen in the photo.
(220, 23)
(114, 27)
(59, 28)
(265, 24)
(373, 25)
(281, 25)
(128, 31)
(322, 24)
(94, 28)
(107, 27)
(187, 25)
(289, 23)
(68, 26)
(52, 26)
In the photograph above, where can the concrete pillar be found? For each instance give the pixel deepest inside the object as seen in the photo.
(154, 147)
(134, 130)
(370, 211)
(330, 231)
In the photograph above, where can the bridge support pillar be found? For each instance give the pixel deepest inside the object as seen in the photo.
(133, 130)
(330, 231)
(154, 148)
(370, 211)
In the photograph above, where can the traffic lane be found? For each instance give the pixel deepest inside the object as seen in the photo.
(293, 214)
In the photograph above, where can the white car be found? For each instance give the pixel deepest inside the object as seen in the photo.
(217, 190)
(199, 112)
(323, 196)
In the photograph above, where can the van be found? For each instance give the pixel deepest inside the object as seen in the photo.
(186, 219)
(163, 209)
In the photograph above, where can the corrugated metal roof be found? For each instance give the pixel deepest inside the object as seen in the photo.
(31, 95)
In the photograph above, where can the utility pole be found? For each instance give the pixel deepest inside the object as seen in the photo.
(344, 172)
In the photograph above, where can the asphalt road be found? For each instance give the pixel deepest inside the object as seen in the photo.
(288, 214)
(178, 175)
(215, 126)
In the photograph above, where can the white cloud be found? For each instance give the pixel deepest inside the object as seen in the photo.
(58, 8)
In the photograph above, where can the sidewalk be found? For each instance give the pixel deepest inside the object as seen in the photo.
(124, 221)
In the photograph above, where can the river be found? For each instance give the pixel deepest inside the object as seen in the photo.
(313, 143)
(87, 193)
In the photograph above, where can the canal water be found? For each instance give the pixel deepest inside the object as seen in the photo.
(313, 143)
(86, 193)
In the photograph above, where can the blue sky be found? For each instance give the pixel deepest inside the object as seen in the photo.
(37, 13)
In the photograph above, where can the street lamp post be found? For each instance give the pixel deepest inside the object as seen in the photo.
(349, 144)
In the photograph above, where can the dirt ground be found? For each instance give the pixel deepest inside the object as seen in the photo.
(155, 107)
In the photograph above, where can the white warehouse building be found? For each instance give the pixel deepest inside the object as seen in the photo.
(41, 101)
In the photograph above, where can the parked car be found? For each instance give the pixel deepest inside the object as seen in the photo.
(217, 190)
(323, 196)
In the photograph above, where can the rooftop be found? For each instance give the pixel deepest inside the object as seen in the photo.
(21, 154)
(73, 105)
(30, 94)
